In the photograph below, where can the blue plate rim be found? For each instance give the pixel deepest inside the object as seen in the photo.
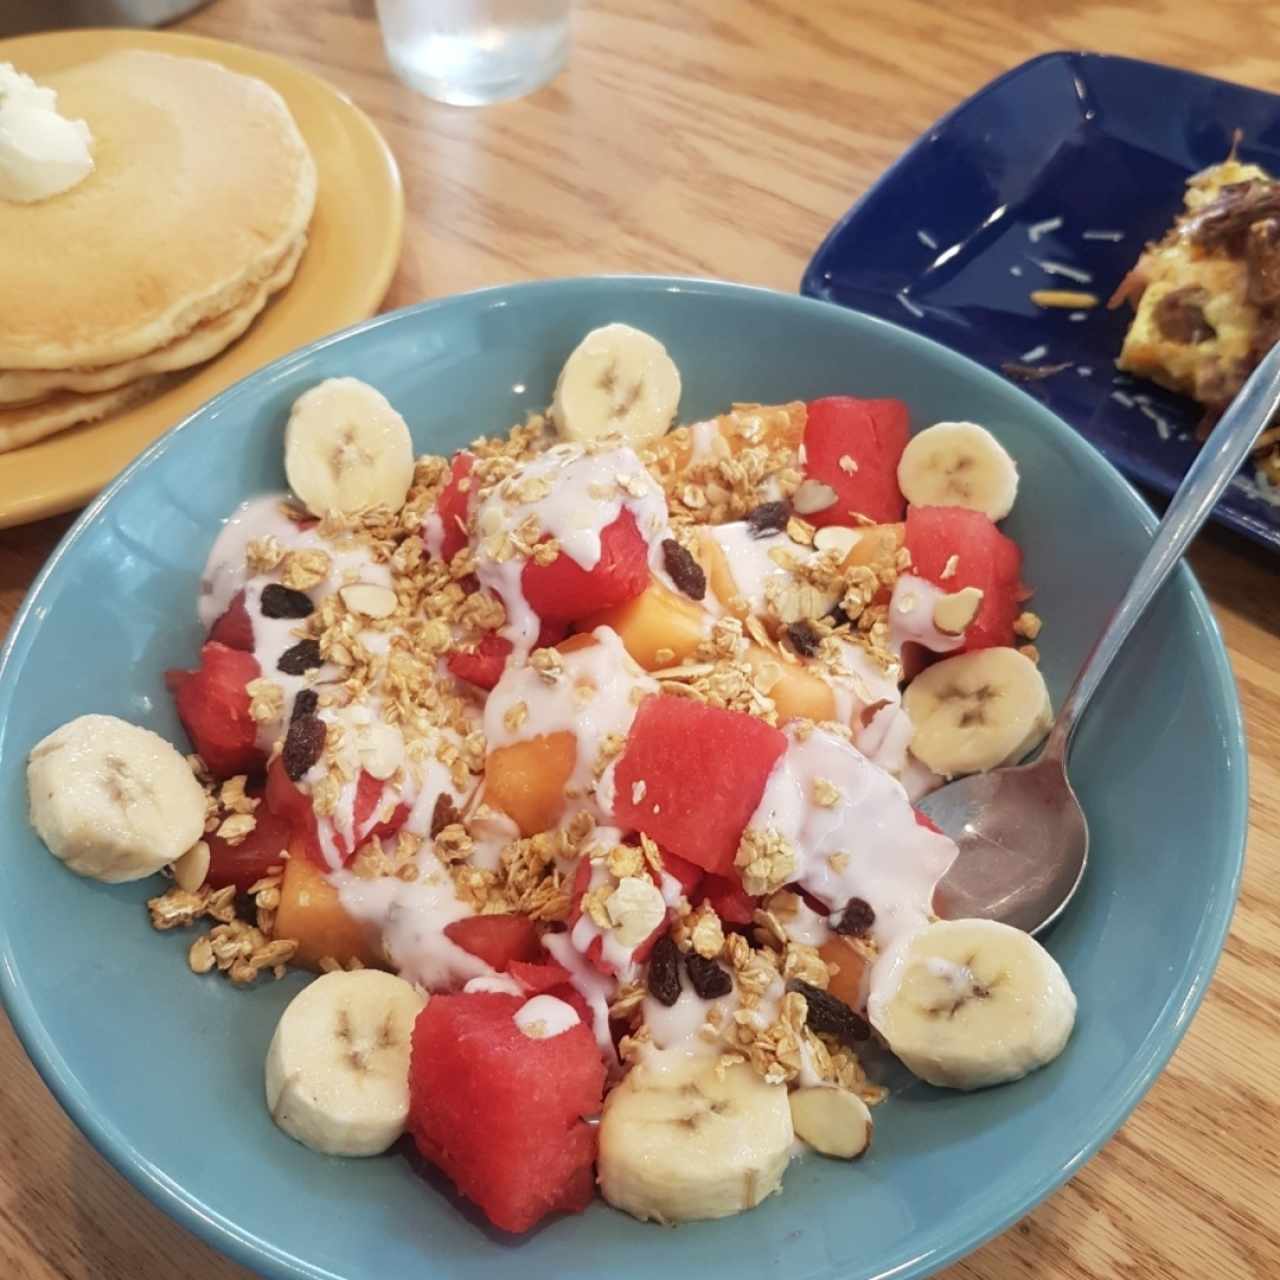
(811, 283)
(255, 1252)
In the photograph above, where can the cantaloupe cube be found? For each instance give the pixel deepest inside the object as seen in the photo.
(846, 983)
(720, 580)
(526, 780)
(311, 913)
(797, 691)
(656, 620)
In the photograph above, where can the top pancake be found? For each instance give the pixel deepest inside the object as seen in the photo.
(201, 183)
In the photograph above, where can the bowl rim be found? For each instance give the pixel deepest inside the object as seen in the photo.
(253, 1251)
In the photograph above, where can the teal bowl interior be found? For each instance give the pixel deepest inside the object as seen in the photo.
(163, 1070)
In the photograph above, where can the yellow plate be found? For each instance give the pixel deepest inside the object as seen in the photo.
(354, 243)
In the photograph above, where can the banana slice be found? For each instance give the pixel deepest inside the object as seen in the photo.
(958, 464)
(338, 1065)
(112, 800)
(346, 448)
(971, 1003)
(679, 1143)
(977, 711)
(617, 381)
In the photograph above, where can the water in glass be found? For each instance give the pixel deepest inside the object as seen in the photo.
(470, 52)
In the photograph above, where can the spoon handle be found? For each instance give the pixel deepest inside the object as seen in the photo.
(1209, 474)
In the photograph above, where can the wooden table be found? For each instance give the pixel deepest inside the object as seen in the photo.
(747, 127)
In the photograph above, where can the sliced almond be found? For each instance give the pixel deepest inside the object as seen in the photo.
(381, 750)
(811, 496)
(838, 538)
(953, 613)
(192, 869)
(833, 1122)
(635, 909)
(368, 600)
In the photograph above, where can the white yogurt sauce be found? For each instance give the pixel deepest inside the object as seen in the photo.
(911, 616)
(594, 987)
(500, 985)
(889, 861)
(680, 1026)
(805, 925)
(587, 493)
(544, 1017)
(749, 560)
(412, 916)
(597, 695)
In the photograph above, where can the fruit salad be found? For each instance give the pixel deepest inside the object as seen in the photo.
(579, 767)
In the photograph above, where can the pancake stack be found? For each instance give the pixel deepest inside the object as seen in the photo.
(195, 214)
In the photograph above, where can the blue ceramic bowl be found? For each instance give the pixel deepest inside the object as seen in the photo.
(943, 242)
(163, 1071)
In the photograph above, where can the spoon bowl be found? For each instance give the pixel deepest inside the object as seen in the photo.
(1023, 840)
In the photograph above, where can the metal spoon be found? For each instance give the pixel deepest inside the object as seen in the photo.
(1023, 837)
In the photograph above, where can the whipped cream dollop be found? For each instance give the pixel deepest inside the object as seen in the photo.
(42, 153)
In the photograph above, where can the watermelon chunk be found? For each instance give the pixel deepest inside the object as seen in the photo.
(483, 667)
(689, 875)
(284, 798)
(234, 627)
(452, 506)
(502, 1114)
(703, 770)
(869, 435)
(730, 901)
(563, 591)
(244, 863)
(368, 797)
(497, 940)
(213, 706)
(536, 978)
(923, 820)
(984, 558)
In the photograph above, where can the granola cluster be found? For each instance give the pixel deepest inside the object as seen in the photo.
(241, 943)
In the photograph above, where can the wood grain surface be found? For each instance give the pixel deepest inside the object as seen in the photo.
(722, 138)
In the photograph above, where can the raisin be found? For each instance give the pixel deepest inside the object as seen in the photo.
(685, 571)
(837, 616)
(664, 971)
(709, 979)
(857, 917)
(304, 704)
(767, 518)
(300, 659)
(445, 814)
(303, 745)
(829, 1016)
(804, 637)
(285, 602)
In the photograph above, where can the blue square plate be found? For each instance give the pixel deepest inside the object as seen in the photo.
(950, 240)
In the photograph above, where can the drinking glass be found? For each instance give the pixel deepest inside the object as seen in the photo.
(472, 52)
